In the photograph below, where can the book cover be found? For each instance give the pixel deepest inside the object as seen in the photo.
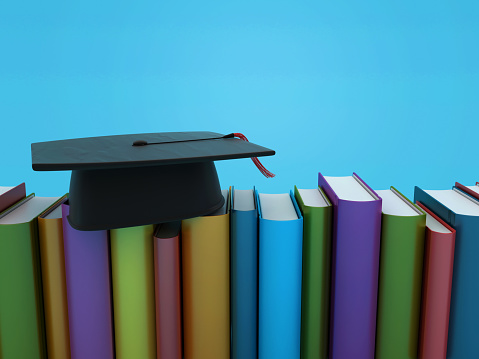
(206, 285)
(133, 285)
(168, 290)
(280, 258)
(400, 276)
(244, 274)
(317, 214)
(354, 266)
(50, 240)
(436, 287)
(461, 212)
(87, 274)
(473, 191)
(22, 333)
(10, 195)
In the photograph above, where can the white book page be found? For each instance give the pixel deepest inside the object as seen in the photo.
(455, 201)
(277, 207)
(312, 198)
(435, 225)
(243, 200)
(348, 188)
(56, 213)
(394, 205)
(28, 210)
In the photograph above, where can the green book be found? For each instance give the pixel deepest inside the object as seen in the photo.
(318, 213)
(133, 283)
(22, 333)
(400, 276)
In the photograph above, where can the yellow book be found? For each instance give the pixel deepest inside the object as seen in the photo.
(50, 239)
(206, 285)
(133, 285)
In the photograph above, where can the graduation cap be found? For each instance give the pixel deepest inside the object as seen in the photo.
(131, 180)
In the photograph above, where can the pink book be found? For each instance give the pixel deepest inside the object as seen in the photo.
(167, 290)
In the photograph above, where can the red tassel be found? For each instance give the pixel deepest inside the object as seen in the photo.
(258, 164)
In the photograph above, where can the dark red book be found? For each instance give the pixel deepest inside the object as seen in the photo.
(437, 283)
(11, 195)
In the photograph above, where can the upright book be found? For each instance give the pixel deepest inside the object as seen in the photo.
(461, 212)
(54, 284)
(168, 290)
(280, 256)
(470, 190)
(133, 291)
(87, 273)
(244, 274)
(400, 276)
(21, 306)
(316, 281)
(206, 285)
(355, 264)
(10, 195)
(436, 287)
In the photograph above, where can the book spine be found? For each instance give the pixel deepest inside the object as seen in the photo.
(133, 283)
(436, 297)
(316, 282)
(21, 307)
(54, 287)
(206, 287)
(168, 297)
(464, 315)
(400, 280)
(244, 282)
(279, 311)
(87, 272)
(354, 276)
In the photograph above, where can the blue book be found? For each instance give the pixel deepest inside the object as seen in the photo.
(280, 263)
(244, 274)
(461, 212)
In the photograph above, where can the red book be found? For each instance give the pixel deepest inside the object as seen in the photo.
(436, 291)
(473, 191)
(11, 195)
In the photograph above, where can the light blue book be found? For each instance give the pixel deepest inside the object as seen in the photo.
(461, 212)
(244, 274)
(280, 263)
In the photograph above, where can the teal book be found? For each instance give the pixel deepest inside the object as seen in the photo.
(244, 274)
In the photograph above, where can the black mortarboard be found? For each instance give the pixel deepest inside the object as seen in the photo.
(132, 180)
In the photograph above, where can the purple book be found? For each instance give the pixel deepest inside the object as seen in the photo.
(355, 264)
(87, 270)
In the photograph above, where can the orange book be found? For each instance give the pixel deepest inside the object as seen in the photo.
(206, 285)
(54, 284)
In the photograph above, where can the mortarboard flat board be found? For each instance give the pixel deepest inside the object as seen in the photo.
(131, 180)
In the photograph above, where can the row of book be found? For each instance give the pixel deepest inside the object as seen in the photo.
(340, 271)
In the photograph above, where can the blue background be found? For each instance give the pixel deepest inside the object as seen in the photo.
(388, 90)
